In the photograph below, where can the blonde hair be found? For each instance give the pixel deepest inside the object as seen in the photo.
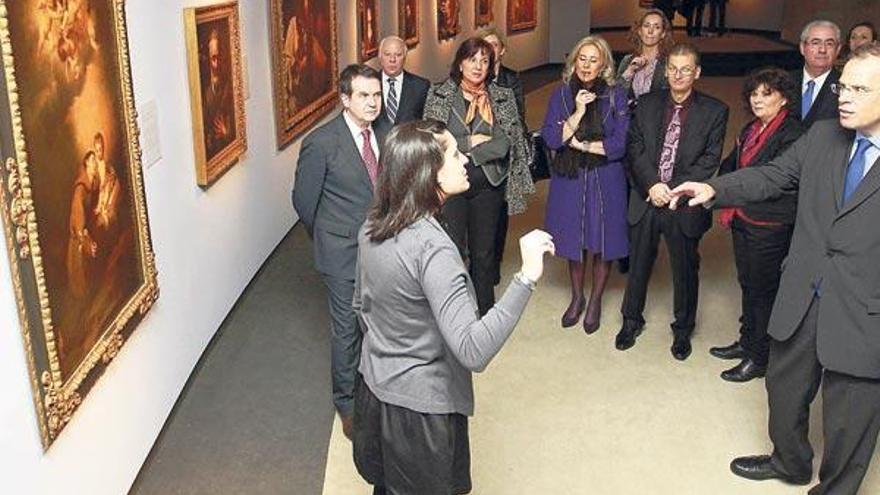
(600, 44)
(492, 31)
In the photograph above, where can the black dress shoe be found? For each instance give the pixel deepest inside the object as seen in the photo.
(626, 337)
(746, 370)
(732, 351)
(759, 467)
(681, 348)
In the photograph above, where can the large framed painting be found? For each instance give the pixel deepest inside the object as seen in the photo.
(213, 46)
(73, 205)
(408, 21)
(448, 13)
(304, 60)
(483, 13)
(368, 29)
(522, 15)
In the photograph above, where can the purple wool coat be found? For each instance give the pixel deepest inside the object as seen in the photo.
(588, 212)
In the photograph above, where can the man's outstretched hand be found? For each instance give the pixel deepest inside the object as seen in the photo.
(699, 192)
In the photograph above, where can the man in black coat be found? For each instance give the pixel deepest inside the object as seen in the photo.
(403, 93)
(826, 317)
(674, 136)
(820, 45)
(335, 173)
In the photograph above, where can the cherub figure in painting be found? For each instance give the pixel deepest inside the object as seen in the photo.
(66, 31)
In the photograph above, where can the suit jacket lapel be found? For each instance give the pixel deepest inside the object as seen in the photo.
(349, 145)
(656, 122)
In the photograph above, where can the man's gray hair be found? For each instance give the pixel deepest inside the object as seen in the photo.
(394, 38)
(820, 23)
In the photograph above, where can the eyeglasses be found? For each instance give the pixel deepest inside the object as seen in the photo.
(816, 43)
(840, 88)
(684, 71)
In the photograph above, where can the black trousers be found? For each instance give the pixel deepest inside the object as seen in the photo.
(404, 452)
(345, 342)
(684, 257)
(850, 408)
(694, 9)
(758, 251)
(472, 223)
(717, 11)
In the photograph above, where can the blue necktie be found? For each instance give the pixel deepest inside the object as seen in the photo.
(807, 100)
(856, 168)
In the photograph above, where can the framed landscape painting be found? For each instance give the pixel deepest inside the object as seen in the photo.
(448, 12)
(408, 21)
(72, 195)
(522, 15)
(304, 60)
(368, 29)
(482, 12)
(213, 49)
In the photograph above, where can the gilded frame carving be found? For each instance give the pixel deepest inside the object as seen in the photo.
(304, 65)
(218, 117)
(408, 21)
(29, 186)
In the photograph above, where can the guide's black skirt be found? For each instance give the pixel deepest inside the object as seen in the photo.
(403, 452)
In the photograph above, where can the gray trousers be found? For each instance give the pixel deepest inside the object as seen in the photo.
(851, 410)
(345, 342)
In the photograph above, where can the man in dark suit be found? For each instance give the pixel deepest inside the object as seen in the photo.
(403, 93)
(820, 45)
(674, 136)
(337, 168)
(826, 316)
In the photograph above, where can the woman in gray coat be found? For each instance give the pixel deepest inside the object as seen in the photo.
(422, 334)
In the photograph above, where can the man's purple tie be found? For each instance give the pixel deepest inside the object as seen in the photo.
(369, 157)
(670, 145)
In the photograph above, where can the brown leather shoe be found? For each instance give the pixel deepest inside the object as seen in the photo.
(347, 426)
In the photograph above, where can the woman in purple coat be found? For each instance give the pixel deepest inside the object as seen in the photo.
(586, 123)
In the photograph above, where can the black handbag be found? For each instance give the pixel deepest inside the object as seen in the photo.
(540, 165)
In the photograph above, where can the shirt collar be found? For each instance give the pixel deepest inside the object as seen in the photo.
(820, 79)
(398, 79)
(875, 140)
(352, 126)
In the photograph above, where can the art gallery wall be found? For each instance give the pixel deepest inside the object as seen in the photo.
(764, 15)
(569, 21)
(799, 12)
(208, 245)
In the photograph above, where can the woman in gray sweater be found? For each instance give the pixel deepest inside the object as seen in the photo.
(423, 336)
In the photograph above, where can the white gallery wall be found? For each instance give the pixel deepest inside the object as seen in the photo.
(208, 245)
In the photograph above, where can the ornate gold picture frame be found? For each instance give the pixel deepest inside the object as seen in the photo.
(368, 29)
(213, 49)
(304, 64)
(72, 195)
(408, 21)
(483, 15)
(522, 15)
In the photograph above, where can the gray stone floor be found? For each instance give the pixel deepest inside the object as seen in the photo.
(256, 415)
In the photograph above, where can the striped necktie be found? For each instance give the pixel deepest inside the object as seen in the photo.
(391, 108)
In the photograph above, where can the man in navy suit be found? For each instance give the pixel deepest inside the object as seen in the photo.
(820, 45)
(403, 93)
(335, 173)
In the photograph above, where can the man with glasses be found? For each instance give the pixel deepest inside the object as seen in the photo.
(820, 45)
(675, 135)
(825, 325)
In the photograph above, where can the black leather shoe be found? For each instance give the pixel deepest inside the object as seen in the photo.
(732, 351)
(746, 370)
(681, 348)
(759, 467)
(626, 337)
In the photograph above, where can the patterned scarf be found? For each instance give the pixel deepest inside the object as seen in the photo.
(479, 102)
